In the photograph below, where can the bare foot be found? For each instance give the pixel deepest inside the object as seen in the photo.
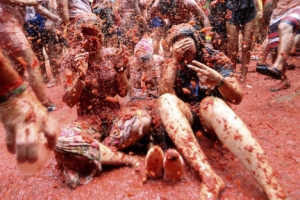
(284, 84)
(211, 187)
(154, 162)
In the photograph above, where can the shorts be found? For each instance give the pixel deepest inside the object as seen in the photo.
(13, 38)
(292, 18)
(78, 139)
(241, 17)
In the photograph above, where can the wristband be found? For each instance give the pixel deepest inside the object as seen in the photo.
(13, 93)
(221, 82)
(121, 69)
(208, 39)
(11, 86)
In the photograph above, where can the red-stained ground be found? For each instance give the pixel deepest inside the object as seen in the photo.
(273, 118)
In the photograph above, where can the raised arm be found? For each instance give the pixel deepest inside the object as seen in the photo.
(63, 10)
(198, 12)
(166, 84)
(228, 86)
(74, 81)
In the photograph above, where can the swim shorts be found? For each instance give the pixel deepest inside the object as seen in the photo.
(292, 17)
(241, 16)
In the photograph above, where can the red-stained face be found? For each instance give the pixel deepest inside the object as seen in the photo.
(188, 54)
(91, 43)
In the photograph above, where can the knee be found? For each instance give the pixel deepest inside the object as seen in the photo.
(246, 47)
(285, 27)
(142, 123)
(209, 104)
(233, 53)
(167, 100)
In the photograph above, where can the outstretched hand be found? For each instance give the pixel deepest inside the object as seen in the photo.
(207, 75)
(26, 121)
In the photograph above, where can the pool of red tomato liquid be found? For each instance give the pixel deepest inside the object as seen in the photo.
(273, 119)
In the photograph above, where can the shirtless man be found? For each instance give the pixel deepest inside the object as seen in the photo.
(284, 25)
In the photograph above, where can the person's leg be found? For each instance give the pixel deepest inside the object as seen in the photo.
(177, 120)
(34, 76)
(286, 36)
(296, 45)
(233, 48)
(217, 117)
(54, 52)
(264, 51)
(246, 46)
(286, 32)
(37, 48)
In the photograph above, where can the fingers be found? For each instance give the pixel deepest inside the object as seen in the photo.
(200, 65)
(51, 131)
(197, 69)
(10, 140)
(21, 147)
(32, 144)
(183, 45)
(81, 56)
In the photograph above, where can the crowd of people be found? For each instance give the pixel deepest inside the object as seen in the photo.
(172, 61)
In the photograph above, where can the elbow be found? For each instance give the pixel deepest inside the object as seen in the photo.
(235, 99)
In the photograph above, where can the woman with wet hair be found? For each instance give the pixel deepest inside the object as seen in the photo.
(94, 76)
(195, 89)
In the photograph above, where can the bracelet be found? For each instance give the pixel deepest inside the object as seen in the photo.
(221, 82)
(121, 69)
(208, 39)
(13, 93)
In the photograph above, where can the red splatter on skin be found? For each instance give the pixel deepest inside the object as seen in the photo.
(284, 55)
(210, 182)
(204, 104)
(238, 136)
(228, 14)
(249, 148)
(22, 61)
(35, 63)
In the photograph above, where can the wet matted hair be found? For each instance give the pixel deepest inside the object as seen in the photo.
(186, 30)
